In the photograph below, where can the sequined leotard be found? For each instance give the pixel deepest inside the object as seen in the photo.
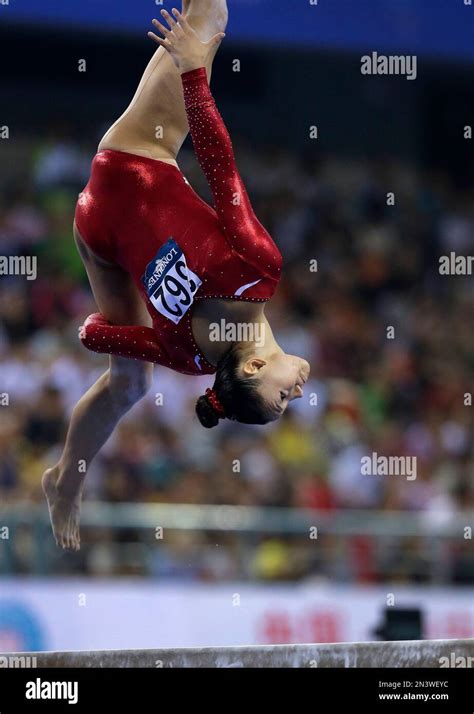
(142, 214)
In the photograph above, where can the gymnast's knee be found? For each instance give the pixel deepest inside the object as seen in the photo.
(129, 381)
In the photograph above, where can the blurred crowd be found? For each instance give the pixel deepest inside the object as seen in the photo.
(390, 341)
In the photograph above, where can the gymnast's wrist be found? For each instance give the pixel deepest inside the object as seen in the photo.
(188, 67)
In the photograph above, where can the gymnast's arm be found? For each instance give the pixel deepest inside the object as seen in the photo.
(130, 341)
(213, 147)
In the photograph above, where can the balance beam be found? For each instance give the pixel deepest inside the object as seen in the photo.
(410, 653)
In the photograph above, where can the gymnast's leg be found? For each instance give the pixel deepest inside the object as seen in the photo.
(157, 109)
(101, 408)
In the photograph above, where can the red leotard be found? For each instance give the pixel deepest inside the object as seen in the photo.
(141, 214)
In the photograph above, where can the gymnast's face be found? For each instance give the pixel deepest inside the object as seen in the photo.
(281, 379)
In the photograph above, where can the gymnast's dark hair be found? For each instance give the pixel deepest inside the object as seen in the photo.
(238, 395)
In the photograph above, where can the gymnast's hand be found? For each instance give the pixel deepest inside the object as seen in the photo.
(182, 42)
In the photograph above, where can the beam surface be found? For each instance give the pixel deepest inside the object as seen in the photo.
(425, 653)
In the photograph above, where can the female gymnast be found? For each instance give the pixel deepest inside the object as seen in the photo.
(164, 266)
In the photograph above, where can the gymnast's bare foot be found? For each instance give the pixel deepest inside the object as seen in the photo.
(63, 512)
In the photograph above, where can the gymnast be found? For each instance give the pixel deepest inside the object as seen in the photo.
(164, 266)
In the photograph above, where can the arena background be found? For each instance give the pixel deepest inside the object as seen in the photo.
(252, 535)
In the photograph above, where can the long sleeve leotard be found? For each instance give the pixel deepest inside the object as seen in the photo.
(176, 247)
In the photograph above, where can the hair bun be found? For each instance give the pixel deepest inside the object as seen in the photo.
(206, 414)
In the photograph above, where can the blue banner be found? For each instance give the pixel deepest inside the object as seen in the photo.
(435, 28)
